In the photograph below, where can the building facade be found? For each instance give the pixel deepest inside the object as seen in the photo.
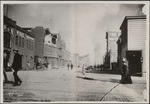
(16, 38)
(111, 49)
(55, 51)
(132, 44)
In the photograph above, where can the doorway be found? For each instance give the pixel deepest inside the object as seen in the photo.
(135, 64)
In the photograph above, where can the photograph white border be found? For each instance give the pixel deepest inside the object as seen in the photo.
(76, 2)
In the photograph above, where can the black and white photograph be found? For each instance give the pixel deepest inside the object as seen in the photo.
(75, 51)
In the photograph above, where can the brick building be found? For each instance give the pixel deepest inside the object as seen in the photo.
(132, 44)
(16, 37)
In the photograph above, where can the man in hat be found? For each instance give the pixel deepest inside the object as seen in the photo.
(16, 66)
(126, 78)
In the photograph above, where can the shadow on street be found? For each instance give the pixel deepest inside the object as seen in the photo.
(103, 80)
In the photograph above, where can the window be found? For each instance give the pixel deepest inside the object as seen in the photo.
(27, 44)
(16, 40)
(32, 46)
(54, 39)
(20, 41)
(16, 32)
(7, 39)
(12, 31)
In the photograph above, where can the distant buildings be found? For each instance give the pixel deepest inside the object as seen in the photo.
(78, 60)
(132, 44)
(17, 38)
(111, 49)
(75, 59)
(97, 59)
(85, 59)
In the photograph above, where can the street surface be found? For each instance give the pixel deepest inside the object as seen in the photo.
(70, 85)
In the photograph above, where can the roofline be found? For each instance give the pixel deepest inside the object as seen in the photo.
(10, 22)
(132, 17)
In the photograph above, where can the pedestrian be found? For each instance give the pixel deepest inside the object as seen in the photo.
(28, 65)
(126, 78)
(83, 69)
(68, 66)
(16, 65)
(37, 63)
(71, 66)
(5, 66)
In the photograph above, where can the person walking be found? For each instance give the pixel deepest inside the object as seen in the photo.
(83, 69)
(71, 66)
(5, 65)
(126, 78)
(68, 66)
(16, 66)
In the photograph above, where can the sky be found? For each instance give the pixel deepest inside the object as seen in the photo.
(82, 26)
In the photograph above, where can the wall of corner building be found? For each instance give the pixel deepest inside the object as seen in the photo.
(39, 40)
(137, 38)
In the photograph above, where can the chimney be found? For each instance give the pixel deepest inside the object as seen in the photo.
(139, 10)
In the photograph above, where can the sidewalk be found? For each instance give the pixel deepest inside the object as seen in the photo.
(137, 92)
